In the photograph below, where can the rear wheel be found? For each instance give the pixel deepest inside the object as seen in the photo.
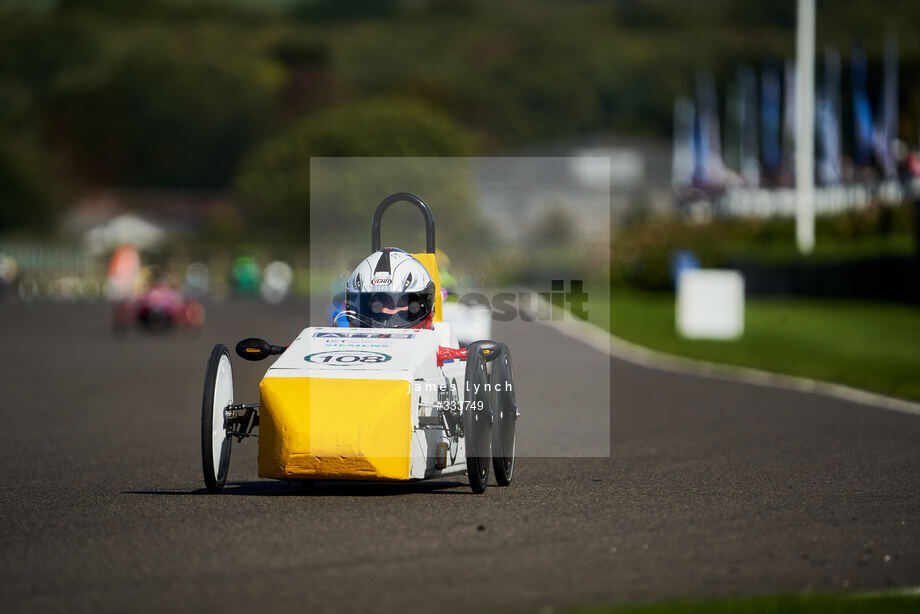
(504, 410)
(215, 442)
(477, 421)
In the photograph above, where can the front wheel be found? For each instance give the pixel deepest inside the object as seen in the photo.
(215, 442)
(477, 420)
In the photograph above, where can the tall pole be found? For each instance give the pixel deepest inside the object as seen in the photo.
(805, 127)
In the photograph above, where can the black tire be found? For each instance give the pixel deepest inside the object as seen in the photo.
(504, 413)
(477, 420)
(306, 485)
(214, 476)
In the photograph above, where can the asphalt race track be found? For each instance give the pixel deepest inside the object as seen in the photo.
(712, 488)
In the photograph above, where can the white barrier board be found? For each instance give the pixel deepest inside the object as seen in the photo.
(710, 304)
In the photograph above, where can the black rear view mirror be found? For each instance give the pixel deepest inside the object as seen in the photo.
(254, 348)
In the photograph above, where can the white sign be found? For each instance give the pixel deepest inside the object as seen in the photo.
(710, 304)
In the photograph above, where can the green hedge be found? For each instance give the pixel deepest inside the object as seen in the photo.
(641, 252)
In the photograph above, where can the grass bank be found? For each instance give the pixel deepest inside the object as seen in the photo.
(810, 604)
(874, 346)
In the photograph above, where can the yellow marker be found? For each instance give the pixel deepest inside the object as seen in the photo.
(430, 262)
(330, 428)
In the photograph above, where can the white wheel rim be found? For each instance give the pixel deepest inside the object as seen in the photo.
(223, 396)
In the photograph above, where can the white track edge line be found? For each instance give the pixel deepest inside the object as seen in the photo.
(908, 591)
(614, 346)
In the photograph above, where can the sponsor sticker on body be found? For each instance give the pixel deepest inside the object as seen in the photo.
(351, 335)
(341, 350)
(347, 358)
(359, 340)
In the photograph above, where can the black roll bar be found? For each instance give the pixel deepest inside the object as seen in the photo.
(409, 198)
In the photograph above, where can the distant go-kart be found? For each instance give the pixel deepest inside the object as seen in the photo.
(396, 404)
(159, 308)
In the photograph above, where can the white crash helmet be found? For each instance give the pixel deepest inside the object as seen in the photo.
(390, 289)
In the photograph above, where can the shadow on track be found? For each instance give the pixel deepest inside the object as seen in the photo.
(319, 489)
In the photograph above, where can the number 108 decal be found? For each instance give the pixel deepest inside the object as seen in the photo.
(347, 358)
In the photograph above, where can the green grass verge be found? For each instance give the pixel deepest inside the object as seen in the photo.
(812, 604)
(874, 346)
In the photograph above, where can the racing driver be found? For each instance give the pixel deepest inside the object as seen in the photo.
(390, 289)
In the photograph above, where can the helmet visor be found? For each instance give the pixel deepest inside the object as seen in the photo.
(389, 309)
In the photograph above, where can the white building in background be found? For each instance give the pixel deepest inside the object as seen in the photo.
(124, 229)
(595, 185)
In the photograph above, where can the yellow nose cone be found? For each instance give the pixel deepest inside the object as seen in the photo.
(336, 429)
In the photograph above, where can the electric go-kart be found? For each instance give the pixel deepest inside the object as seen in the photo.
(159, 308)
(364, 403)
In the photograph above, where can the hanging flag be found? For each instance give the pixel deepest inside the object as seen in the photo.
(682, 163)
(828, 111)
(771, 154)
(734, 118)
(886, 127)
(709, 165)
(789, 131)
(750, 162)
(862, 112)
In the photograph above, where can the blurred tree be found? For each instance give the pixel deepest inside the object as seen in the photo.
(136, 8)
(177, 92)
(556, 228)
(178, 113)
(311, 82)
(35, 51)
(547, 96)
(25, 199)
(275, 180)
(324, 11)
